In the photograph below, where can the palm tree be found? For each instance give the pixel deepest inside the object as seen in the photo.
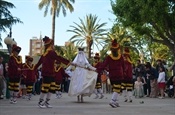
(89, 31)
(70, 51)
(56, 7)
(6, 18)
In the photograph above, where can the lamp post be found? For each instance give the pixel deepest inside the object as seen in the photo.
(9, 41)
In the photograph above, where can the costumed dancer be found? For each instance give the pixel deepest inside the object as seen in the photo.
(14, 72)
(127, 83)
(30, 75)
(47, 60)
(98, 87)
(59, 74)
(115, 64)
(82, 80)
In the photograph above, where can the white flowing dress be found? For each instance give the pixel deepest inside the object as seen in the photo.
(82, 81)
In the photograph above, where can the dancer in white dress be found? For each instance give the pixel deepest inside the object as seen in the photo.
(83, 78)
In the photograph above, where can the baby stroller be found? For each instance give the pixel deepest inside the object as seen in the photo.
(169, 87)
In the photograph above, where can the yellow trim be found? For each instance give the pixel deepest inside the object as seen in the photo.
(94, 64)
(128, 59)
(16, 58)
(115, 58)
(56, 70)
(29, 67)
(47, 51)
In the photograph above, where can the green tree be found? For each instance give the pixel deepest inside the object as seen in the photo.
(6, 18)
(56, 7)
(89, 31)
(70, 51)
(152, 18)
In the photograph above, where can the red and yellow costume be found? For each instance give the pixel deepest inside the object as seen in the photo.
(98, 87)
(48, 71)
(127, 81)
(47, 60)
(14, 69)
(115, 64)
(96, 64)
(29, 74)
(59, 74)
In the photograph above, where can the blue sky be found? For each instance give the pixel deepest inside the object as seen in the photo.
(35, 23)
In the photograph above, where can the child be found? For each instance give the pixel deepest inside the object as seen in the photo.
(30, 74)
(161, 82)
(138, 88)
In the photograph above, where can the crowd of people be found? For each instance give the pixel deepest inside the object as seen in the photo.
(53, 74)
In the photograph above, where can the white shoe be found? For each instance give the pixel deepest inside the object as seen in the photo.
(161, 97)
(116, 104)
(41, 105)
(112, 104)
(101, 96)
(11, 101)
(48, 105)
(14, 101)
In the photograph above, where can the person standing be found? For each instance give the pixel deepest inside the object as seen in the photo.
(83, 78)
(98, 87)
(47, 60)
(172, 68)
(59, 74)
(138, 88)
(38, 82)
(151, 76)
(14, 73)
(114, 62)
(161, 81)
(2, 85)
(30, 76)
(127, 81)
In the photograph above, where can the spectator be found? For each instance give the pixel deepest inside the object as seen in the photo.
(151, 76)
(2, 84)
(38, 82)
(172, 68)
(138, 88)
(161, 81)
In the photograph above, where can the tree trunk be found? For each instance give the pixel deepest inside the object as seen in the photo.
(53, 25)
(89, 48)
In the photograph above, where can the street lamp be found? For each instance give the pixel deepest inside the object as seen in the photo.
(9, 42)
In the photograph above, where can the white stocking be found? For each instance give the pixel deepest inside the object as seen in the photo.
(130, 95)
(115, 96)
(42, 95)
(48, 95)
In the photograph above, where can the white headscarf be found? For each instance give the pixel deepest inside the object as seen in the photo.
(81, 60)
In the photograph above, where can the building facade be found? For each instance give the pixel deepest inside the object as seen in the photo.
(36, 46)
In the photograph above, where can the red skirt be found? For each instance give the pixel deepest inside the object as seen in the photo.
(161, 85)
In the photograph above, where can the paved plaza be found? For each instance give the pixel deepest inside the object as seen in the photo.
(68, 106)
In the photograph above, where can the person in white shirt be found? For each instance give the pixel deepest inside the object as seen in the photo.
(161, 82)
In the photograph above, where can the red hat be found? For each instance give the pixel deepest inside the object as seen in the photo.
(16, 48)
(126, 51)
(28, 58)
(114, 44)
(47, 40)
(97, 56)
